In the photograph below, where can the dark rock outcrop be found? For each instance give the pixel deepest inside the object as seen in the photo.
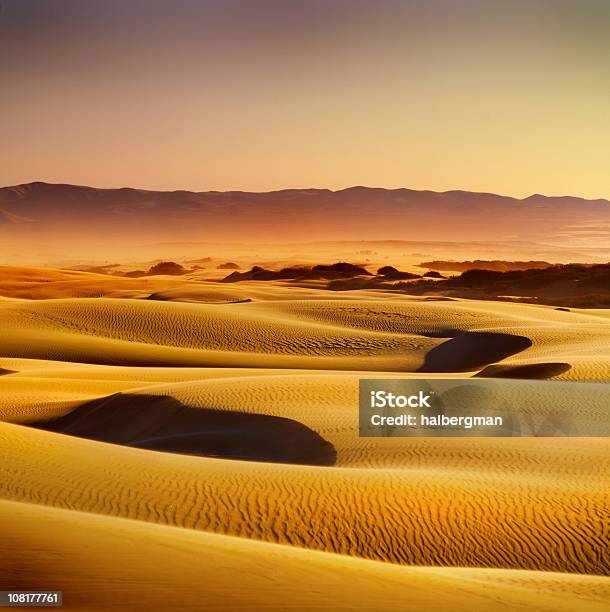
(167, 267)
(320, 272)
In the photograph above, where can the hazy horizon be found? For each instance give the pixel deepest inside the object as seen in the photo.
(57, 222)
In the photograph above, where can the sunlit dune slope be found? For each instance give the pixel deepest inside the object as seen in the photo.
(357, 334)
(140, 332)
(441, 515)
(24, 397)
(580, 338)
(48, 283)
(102, 563)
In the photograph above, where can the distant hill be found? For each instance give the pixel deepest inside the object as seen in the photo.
(357, 213)
(479, 264)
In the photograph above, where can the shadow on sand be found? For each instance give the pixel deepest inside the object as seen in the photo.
(163, 423)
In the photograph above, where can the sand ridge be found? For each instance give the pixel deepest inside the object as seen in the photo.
(357, 335)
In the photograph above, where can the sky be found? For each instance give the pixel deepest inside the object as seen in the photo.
(505, 96)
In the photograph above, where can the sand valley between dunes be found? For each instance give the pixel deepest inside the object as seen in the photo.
(161, 435)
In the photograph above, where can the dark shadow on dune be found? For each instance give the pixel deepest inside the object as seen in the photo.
(472, 350)
(446, 332)
(164, 424)
(166, 296)
(159, 297)
(2, 371)
(530, 371)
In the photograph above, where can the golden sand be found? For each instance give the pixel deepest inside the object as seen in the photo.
(103, 563)
(482, 520)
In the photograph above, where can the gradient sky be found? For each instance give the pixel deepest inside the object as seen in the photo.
(506, 96)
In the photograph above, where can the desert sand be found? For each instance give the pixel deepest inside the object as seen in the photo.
(143, 565)
(106, 392)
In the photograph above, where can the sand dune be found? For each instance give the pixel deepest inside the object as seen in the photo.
(442, 515)
(122, 331)
(325, 402)
(102, 563)
(109, 386)
(353, 335)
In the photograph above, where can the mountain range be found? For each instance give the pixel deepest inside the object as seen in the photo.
(44, 211)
